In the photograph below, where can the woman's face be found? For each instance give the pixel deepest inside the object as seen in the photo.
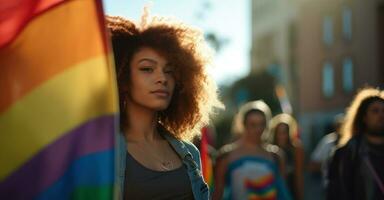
(152, 80)
(282, 134)
(254, 125)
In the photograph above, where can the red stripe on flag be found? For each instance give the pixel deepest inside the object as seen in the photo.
(206, 161)
(15, 15)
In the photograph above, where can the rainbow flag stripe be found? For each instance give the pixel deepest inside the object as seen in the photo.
(264, 182)
(58, 105)
(206, 161)
(263, 188)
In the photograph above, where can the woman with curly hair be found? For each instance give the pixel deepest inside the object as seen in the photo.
(249, 168)
(284, 134)
(165, 96)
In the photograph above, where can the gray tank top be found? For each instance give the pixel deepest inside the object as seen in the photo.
(142, 183)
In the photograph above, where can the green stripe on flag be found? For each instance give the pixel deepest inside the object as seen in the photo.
(93, 193)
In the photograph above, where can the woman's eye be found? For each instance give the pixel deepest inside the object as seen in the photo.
(168, 71)
(146, 69)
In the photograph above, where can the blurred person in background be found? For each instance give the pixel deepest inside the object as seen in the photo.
(284, 134)
(356, 170)
(323, 152)
(248, 168)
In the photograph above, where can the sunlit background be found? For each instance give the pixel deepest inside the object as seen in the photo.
(226, 25)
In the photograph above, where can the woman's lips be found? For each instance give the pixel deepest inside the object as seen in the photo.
(161, 93)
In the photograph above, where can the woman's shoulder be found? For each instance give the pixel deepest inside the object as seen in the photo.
(275, 153)
(193, 150)
(226, 150)
(272, 149)
(191, 147)
(181, 146)
(298, 147)
(297, 144)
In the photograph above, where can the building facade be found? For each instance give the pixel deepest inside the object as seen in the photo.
(325, 51)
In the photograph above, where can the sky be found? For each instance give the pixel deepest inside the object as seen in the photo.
(228, 19)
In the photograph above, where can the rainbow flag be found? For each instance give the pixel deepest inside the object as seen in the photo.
(58, 101)
(206, 161)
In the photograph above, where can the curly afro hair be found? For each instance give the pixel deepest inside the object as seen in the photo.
(195, 94)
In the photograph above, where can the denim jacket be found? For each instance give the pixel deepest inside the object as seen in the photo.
(188, 153)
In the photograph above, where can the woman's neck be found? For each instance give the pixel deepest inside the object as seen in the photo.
(142, 124)
(250, 142)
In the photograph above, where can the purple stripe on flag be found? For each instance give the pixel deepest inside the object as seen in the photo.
(51, 163)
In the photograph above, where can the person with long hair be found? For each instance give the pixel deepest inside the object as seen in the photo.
(284, 134)
(166, 96)
(356, 170)
(249, 168)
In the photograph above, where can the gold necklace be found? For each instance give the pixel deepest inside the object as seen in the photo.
(167, 165)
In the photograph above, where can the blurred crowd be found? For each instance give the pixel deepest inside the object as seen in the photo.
(265, 159)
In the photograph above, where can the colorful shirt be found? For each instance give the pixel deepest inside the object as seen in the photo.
(254, 178)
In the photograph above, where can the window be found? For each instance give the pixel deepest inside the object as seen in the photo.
(328, 81)
(328, 30)
(347, 22)
(348, 75)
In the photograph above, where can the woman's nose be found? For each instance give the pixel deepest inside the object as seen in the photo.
(161, 77)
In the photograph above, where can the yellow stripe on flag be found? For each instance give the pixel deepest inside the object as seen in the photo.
(80, 93)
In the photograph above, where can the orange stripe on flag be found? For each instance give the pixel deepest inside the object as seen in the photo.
(41, 52)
